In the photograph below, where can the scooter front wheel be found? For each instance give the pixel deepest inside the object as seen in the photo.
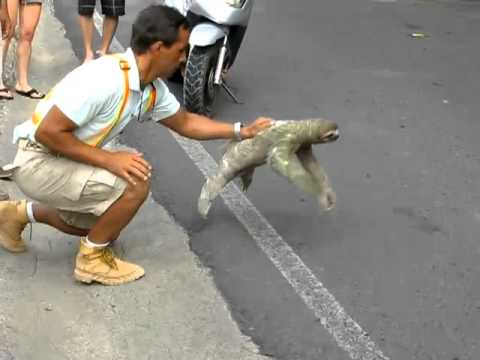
(199, 88)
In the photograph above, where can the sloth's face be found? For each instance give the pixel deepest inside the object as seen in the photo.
(325, 132)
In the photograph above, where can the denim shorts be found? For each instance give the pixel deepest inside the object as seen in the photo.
(109, 7)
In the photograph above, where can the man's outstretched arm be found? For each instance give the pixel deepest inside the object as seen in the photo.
(200, 127)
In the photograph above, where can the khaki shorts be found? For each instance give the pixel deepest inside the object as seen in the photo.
(80, 192)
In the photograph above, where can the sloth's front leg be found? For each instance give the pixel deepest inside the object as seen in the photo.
(326, 196)
(285, 162)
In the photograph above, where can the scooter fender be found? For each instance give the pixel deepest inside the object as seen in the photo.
(205, 34)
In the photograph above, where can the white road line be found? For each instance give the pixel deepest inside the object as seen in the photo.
(347, 333)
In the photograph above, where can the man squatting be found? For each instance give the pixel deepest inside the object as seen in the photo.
(80, 187)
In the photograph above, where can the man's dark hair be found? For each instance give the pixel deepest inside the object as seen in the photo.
(156, 23)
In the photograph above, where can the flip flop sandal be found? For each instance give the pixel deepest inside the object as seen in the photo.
(30, 93)
(5, 97)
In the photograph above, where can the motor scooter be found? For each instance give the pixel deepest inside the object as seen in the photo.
(218, 29)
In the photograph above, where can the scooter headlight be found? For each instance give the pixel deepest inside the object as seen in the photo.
(235, 3)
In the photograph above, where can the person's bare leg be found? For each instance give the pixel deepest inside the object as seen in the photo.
(49, 216)
(4, 92)
(117, 217)
(86, 26)
(29, 17)
(13, 12)
(110, 24)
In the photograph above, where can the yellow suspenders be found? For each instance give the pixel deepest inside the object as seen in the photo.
(125, 67)
(97, 139)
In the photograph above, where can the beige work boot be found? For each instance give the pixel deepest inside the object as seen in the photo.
(101, 265)
(13, 219)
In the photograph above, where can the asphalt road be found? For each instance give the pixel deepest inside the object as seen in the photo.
(401, 251)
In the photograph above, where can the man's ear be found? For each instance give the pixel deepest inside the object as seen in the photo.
(157, 46)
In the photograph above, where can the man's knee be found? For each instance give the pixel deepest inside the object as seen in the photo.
(138, 192)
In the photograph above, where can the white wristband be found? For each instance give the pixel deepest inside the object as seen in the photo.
(236, 130)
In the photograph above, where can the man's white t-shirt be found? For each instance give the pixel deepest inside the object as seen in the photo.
(91, 96)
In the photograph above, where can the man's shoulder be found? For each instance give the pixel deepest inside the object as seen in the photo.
(162, 88)
(96, 76)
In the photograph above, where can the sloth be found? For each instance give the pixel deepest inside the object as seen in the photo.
(287, 147)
